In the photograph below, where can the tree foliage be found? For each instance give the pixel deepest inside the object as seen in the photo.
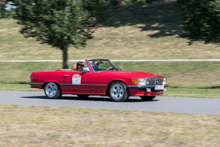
(59, 23)
(2, 9)
(201, 20)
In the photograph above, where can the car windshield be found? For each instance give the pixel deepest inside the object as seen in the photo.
(102, 65)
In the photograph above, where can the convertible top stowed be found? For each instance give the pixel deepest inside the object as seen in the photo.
(100, 77)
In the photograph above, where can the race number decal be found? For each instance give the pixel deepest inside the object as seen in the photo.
(76, 80)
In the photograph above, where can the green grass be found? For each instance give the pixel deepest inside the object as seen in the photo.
(186, 79)
(179, 74)
(18, 87)
(20, 72)
(131, 32)
(193, 92)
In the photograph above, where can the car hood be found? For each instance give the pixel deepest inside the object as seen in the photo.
(133, 74)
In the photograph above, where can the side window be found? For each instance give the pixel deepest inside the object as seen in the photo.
(101, 65)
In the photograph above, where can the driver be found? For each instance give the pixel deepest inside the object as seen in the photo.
(95, 65)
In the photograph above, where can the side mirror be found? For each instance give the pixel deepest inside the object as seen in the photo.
(119, 69)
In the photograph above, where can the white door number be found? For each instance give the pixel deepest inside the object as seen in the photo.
(76, 80)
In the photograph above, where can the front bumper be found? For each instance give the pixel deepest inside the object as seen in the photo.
(141, 90)
(146, 86)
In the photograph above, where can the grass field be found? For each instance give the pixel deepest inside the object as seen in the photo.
(131, 32)
(179, 74)
(186, 79)
(59, 126)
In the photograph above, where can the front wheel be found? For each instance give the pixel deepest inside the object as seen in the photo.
(118, 92)
(147, 98)
(52, 90)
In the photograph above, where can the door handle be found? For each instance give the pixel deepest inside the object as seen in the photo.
(66, 75)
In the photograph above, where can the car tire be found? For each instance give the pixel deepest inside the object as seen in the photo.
(147, 98)
(118, 92)
(52, 90)
(83, 96)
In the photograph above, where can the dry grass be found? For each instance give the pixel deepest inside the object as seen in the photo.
(55, 126)
(132, 32)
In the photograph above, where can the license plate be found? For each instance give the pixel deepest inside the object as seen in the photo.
(159, 87)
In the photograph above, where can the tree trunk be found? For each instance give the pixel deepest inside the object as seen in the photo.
(149, 1)
(0, 5)
(65, 58)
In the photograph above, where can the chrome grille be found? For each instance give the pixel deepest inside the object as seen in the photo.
(153, 80)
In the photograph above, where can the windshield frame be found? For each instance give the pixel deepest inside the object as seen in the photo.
(114, 66)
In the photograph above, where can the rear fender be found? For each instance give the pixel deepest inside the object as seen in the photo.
(47, 81)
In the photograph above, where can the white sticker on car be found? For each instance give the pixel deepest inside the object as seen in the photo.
(76, 80)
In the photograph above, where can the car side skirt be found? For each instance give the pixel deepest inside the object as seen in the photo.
(101, 90)
(36, 83)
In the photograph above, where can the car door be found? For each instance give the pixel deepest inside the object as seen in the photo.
(78, 82)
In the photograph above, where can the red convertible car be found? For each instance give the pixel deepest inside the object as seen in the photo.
(99, 77)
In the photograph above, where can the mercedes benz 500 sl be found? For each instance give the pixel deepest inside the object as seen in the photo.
(99, 77)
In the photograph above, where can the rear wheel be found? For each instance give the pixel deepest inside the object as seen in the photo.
(147, 98)
(52, 90)
(118, 91)
(83, 96)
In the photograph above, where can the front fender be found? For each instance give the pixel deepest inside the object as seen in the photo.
(114, 80)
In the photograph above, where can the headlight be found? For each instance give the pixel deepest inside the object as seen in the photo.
(139, 81)
(164, 81)
(147, 82)
(142, 81)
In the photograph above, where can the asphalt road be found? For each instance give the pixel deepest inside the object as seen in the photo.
(160, 104)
